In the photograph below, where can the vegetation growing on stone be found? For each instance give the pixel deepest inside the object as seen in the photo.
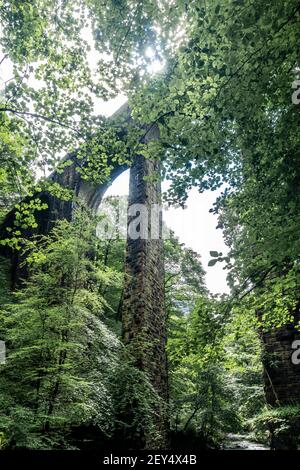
(222, 104)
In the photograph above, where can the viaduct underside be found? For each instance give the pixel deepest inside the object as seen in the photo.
(143, 315)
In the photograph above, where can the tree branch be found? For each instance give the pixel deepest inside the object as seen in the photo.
(3, 58)
(258, 282)
(41, 117)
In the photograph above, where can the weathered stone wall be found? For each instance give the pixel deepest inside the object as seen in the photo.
(282, 378)
(143, 313)
(88, 193)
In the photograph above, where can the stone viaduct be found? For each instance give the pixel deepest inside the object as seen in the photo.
(143, 311)
(143, 315)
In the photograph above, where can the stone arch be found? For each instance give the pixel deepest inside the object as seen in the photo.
(90, 194)
(143, 312)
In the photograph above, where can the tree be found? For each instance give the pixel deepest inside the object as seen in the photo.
(223, 105)
(184, 277)
(202, 392)
(60, 353)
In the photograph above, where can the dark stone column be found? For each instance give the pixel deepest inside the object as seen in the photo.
(143, 312)
(282, 377)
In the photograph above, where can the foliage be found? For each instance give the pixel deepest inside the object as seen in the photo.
(60, 353)
(184, 276)
(243, 363)
(4, 280)
(61, 60)
(137, 406)
(283, 423)
(201, 390)
(226, 118)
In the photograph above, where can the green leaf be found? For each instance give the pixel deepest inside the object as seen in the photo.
(214, 254)
(212, 262)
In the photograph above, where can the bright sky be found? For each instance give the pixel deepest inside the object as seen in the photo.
(194, 226)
